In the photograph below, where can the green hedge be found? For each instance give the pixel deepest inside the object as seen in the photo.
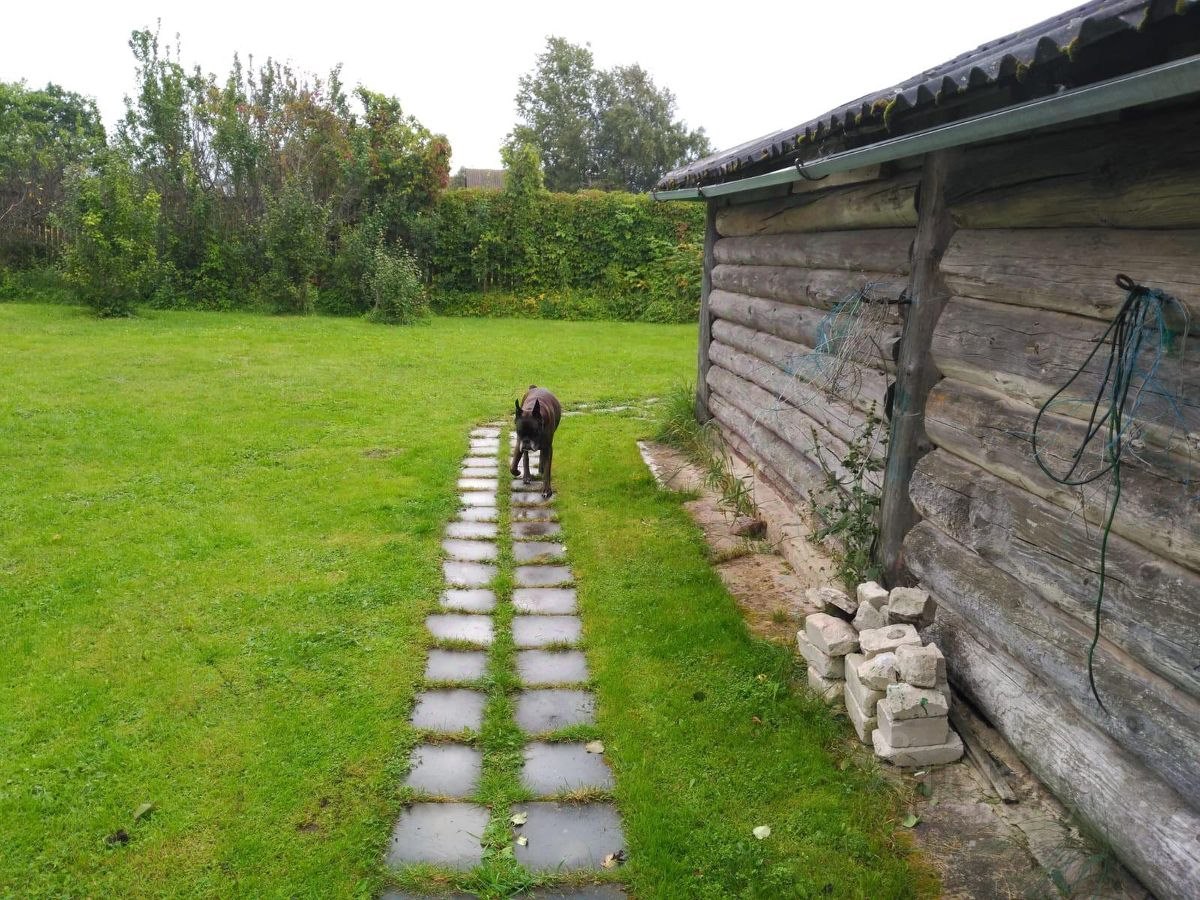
(593, 254)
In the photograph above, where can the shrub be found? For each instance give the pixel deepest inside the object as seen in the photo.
(396, 288)
(113, 259)
(293, 246)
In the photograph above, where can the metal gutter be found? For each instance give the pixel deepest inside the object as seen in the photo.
(1170, 80)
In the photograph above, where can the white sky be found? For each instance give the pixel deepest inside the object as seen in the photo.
(739, 70)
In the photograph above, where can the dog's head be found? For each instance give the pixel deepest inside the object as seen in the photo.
(529, 426)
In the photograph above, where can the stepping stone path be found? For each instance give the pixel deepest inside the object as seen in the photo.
(446, 826)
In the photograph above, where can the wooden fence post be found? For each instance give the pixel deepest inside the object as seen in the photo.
(702, 361)
(915, 370)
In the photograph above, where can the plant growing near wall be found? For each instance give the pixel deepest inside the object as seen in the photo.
(847, 508)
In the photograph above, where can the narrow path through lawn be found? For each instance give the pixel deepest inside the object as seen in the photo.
(508, 789)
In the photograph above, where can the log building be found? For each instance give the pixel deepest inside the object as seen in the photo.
(984, 208)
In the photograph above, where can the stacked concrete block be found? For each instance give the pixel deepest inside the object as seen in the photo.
(861, 698)
(824, 643)
(832, 602)
(912, 719)
(911, 606)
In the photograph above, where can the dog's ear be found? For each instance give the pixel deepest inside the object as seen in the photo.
(537, 407)
(517, 403)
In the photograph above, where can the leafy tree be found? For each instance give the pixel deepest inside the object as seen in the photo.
(600, 128)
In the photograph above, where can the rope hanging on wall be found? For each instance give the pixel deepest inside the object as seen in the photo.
(1149, 326)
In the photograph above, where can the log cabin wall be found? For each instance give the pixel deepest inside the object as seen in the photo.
(1042, 224)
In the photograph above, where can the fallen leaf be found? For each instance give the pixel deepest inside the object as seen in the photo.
(762, 832)
(594, 747)
(519, 819)
(756, 720)
(910, 821)
(612, 860)
(522, 841)
(142, 811)
(925, 789)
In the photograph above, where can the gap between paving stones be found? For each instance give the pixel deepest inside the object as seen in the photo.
(506, 708)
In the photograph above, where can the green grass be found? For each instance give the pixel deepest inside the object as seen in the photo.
(218, 540)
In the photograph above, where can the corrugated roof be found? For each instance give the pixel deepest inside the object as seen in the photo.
(1074, 48)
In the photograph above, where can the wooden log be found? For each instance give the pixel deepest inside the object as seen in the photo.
(793, 468)
(1142, 175)
(1030, 354)
(1152, 829)
(868, 250)
(978, 754)
(820, 288)
(705, 336)
(1149, 608)
(1072, 270)
(1149, 716)
(915, 370)
(798, 431)
(839, 419)
(862, 386)
(1158, 508)
(879, 204)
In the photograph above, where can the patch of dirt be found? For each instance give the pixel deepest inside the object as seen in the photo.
(980, 846)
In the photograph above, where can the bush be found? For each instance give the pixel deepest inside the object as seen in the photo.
(293, 246)
(113, 259)
(396, 288)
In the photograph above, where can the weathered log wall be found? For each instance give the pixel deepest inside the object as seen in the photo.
(1040, 226)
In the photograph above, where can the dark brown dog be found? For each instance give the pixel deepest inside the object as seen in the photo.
(537, 418)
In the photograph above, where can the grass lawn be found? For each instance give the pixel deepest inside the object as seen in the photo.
(218, 540)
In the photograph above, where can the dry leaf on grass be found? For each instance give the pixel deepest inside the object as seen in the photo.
(594, 747)
(519, 819)
(762, 832)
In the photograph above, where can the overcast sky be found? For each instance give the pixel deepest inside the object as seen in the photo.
(739, 70)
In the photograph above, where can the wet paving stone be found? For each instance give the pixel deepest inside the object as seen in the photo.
(545, 601)
(478, 484)
(477, 514)
(445, 770)
(455, 665)
(468, 574)
(443, 834)
(469, 551)
(523, 531)
(587, 892)
(534, 514)
(530, 498)
(471, 530)
(568, 837)
(537, 551)
(534, 483)
(562, 768)
(450, 710)
(471, 462)
(481, 472)
(530, 632)
(452, 627)
(477, 498)
(541, 576)
(472, 600)
(554, 708)
(485, 431)
(543, 667)
(484, 447)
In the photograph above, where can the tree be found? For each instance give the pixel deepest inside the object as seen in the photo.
(600, 128)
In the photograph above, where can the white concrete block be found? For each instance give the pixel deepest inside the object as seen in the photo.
(918, 756)
(908, 702)
(921, 666)
(879, 671)
(832, 601)
(911, 605)
(869, 617)
(828, 689)
(822, 663)
(870, 592)
(911, 732)
(865, 697)
(830, 635)
(863, 723)
(882, 640)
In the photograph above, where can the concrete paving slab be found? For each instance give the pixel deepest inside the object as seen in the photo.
(542, 667)
(469, 551)
(523, 531)
(472, 461)
(530, 498)
(471, 600)
(545, 601)
(477, 498)
(477, 514)
(485, 431)
(542, 576)
(468, 574)
(453, 627)
(554, 708)
(538, 551)
(566, 837)
(471, 483)
(449, 710)
(534, 514)
(552, 769)
(442, 834)
(445, 770)
(455, 665)
(541, 631)
(472, 530)
(491, 472)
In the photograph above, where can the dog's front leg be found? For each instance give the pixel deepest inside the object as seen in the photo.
(515, 466)
(544, 469)
(526, 478)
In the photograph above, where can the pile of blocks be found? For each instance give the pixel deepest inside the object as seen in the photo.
(866, 651)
